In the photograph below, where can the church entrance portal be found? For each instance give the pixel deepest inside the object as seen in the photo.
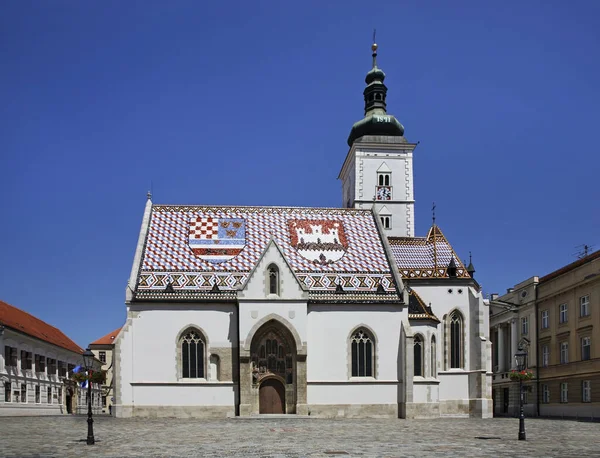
(272, 396)
(273, 365)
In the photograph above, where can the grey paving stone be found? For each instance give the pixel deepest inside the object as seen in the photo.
(266, 437)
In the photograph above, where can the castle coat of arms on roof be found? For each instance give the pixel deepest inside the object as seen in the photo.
(217, 239)
(320, 241)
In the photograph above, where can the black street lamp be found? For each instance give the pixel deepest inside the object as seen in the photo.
(88, 362)
(521, 360)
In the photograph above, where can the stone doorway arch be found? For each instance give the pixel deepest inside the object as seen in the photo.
(275, 369)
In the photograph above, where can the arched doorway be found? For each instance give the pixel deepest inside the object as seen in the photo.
(272, 396)
(273, 366)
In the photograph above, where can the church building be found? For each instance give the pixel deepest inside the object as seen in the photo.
(328, 312)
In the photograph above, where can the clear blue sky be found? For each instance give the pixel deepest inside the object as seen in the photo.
(251, 103)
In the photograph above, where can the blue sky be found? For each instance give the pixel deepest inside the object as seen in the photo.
(250, 103)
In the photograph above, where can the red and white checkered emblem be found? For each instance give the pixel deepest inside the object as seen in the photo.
(204, 228)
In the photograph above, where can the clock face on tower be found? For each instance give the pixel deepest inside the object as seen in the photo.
(384, 193)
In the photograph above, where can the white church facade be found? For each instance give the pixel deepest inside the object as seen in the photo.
(328, 312)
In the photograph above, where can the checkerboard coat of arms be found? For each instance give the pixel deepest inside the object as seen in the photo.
(320, 241)
(217, 239)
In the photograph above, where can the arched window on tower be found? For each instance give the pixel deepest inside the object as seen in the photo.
(362, 353)
(456, 340)
(192, 344)
(418, 359)
(273, 274)
(386, 221)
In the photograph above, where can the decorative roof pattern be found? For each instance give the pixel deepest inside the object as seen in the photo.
(426, 257)
(417, 310)
(196, 247)
(26, 323)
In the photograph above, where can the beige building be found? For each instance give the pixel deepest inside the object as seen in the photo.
(103, 350)
(556, 319)
(569, 340)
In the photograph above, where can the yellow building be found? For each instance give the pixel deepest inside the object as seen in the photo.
(103, 350)
(568, 344)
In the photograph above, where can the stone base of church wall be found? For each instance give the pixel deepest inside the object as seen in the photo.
(481, 408)
(455, 408)
(413, 410)
(352, 410)
(124, 411)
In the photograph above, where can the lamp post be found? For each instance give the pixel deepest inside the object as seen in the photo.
(88, 362)
(521, 360)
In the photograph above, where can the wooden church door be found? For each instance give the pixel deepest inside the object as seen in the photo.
(272, 397)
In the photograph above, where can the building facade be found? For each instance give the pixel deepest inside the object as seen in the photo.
(330, 312)
(36, 360)
(569, 340)
(103, 350)
(556, 319)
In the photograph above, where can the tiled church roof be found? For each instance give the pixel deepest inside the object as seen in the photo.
(194, 248)
(21, 321)
(425, 257)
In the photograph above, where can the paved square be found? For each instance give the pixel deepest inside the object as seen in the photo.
(295, 437)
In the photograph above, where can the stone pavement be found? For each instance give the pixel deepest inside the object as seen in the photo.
(64, 436)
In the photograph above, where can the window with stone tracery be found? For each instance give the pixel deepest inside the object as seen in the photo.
(362, 353)
(271, 357)
(418, 359)
(456, 340)
(192, 354)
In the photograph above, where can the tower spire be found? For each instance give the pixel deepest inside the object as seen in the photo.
(374, 49)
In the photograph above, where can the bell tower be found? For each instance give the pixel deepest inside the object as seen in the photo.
(378, 170)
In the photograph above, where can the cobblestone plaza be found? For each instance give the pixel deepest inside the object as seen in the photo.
(65, 436)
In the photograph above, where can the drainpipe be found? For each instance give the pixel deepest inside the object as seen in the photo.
(537, 353)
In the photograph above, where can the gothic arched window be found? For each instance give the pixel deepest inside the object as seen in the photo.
(273, 278)
(433, 358)
(418, 360)
(192, 354)
(362, 353)
(456, 340)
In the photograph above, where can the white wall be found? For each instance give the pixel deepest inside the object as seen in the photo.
(185, 395)
(352, 393)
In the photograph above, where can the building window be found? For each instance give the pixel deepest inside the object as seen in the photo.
(386, 221)
(586, 391)
(51, 366)
(7, 392)
(26, 363)
(564, 392)
(433, 358)
(545, 394)
(564, 352)
(586, 347)
(59, 389)
(584, 305)
(102, 356)
(40, 363)
(10, 356)
(23, 392)
(273, 273)
(49, 395)
(37, 394)
(192, 354)
(525, 325)
(545, 319)
(456, 340)
(545, 355)
(563, 316)
(384, 179)
(62, 369)
(418, 359)
(103, 401)
(362, 353)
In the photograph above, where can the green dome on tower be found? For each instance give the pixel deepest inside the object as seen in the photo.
(376, 121)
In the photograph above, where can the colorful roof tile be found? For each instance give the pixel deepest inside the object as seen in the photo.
(21, 321)
(193, 248)
(425, 257)
(417, 310)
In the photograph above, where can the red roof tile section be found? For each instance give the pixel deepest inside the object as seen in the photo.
(21, 321)
(108, 339)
